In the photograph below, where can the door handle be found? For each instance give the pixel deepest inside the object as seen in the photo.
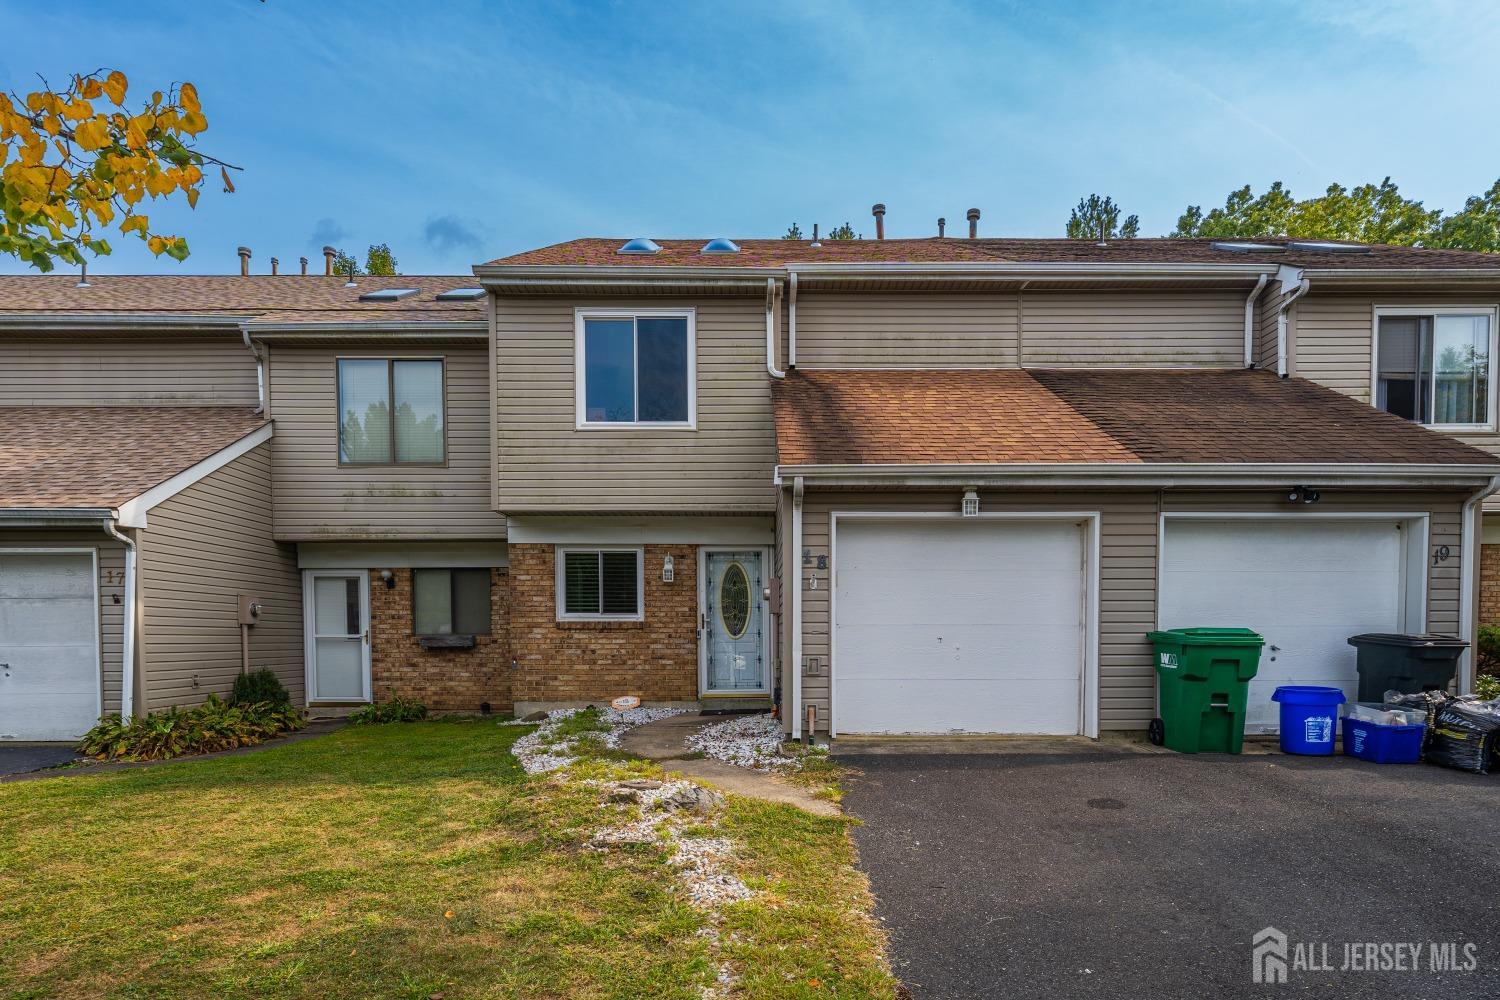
(366, 637)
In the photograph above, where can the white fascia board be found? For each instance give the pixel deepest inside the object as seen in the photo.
(1141, 474)
(118, 321)
(643, 529)
(1027, 269)
(1405, 273)
(132, 513)
(477, 329)
(446, 554)
(59, 517)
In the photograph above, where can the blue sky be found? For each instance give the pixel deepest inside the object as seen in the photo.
(462, 132)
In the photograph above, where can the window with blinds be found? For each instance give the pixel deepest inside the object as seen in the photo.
(600, 584)
(1435, 368)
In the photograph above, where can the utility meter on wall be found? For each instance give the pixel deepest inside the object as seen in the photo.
(250, 609)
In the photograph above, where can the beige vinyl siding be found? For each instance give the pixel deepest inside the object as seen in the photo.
(111, 558)
(1155, 329)
(317, 500)
(546, 464)
(201, 549)
(1264, 350)
(894, 330)
(1129, 532)
(200, 370)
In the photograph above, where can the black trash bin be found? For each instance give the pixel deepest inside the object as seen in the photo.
(1410, 664)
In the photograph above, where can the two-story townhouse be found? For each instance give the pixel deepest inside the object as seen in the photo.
(173, 449)
(949, 485)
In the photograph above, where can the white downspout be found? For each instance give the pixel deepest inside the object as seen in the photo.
(1250, 320)
(1302, 286)
(791, 320)
(1469, 553)
(260, 371)
(127, 653)
(796, 616)
(771, 330)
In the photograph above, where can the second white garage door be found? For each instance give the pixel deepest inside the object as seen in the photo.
(959, 626)
(1306, 585)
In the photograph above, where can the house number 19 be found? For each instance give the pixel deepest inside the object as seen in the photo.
(1440, 554)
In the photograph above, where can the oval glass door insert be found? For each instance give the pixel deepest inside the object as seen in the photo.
(734, 600)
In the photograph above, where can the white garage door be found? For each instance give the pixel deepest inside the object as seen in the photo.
(49, 645)
(1307, 586)
(967, 626)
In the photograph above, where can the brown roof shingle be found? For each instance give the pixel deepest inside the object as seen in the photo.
(1004, 417)
(102, 456)
(599, 252)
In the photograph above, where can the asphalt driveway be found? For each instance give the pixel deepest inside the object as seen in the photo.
(1127, 874)
(18, 758)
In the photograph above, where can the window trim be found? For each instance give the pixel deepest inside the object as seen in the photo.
(390, 379)
(560, 553)
(1491, 311)
(489, 586)
(580, 373)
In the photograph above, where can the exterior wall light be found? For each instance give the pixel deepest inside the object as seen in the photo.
(971, 503)
(668, 570)
(389, 578)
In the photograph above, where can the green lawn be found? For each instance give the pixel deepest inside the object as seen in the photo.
(398, 861)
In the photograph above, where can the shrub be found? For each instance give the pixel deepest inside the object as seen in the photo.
(1487, 687)
(395, 710)
(1487, 660)
(259, 687)
(178, 732)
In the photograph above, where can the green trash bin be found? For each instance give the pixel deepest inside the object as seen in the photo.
(1203, 677)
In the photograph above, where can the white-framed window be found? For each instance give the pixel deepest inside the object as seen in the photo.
(636, 368)
(391, 411)
(1436, 366)
(600, 584)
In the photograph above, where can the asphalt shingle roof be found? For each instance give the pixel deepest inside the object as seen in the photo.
(1015, 416)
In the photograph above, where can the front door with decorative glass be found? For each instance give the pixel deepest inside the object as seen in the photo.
(734, 646)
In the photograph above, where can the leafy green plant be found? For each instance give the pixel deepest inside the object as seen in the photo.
(1487, 688)
(1488, 649)
(179, 732)
(259, 687)
(395, 710)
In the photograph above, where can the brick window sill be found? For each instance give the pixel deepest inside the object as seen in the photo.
(595, 625)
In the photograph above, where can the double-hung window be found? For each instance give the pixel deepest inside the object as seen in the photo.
(450, 601)
(602, 584)
(390, 411)
(1433, 366)
(636, 369)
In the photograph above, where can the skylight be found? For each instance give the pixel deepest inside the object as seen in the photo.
(1238, 247)
(1323, 246)
(460, 294)
(387, 294)
(641, 244)
(720, 245)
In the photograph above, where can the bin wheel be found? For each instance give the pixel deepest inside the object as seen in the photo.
(1156, 732)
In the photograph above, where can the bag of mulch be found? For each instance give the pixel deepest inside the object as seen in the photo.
(1463, 736)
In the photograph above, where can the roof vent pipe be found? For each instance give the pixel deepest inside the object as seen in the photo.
(83, 275)
(879, 212)
(941, 223)
(244, 253)
(304, 264)
(815, 241)
(275, 266)
(973, 223)
(328, 253)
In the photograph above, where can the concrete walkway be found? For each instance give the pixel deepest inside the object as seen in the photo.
(665, 741)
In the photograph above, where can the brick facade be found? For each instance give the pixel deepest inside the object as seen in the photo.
(445, 680)
(1489, 584)
(656, 660)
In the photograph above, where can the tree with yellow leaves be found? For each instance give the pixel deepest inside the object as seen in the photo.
(76, 161)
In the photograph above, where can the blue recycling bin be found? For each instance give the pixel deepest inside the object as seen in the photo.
(1309, 718)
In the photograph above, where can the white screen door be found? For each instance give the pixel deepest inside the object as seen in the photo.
(338, 641)
(734, 646)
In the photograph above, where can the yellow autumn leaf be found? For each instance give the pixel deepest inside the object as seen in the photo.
(90, 88)
(135, 223)
(193, 122)
(191, 175)
(92, 134)
(77, 111)
(34, 101)
(156, 245)
(228, 184)
(135, 136)
(192, 197)
(187, 96)
(159, 184)
(114, 86)
(51, 124)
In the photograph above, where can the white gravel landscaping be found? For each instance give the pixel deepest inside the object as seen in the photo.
(541, 751)
(752, 741)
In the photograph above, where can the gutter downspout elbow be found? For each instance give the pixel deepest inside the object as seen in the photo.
(791, 320)
(795, 558)
(1281, 350)
(1469, 582)
(127, 652)
(260, 370)
(1260, 285)
(771, 303)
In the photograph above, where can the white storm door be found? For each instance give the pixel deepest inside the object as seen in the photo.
(1305, 585)
(338, 635)
(734, 619)
(49, 645)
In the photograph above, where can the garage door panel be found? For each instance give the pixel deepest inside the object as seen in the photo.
(46, 574)
(1304, 585)
(958, 626)
(27, 622)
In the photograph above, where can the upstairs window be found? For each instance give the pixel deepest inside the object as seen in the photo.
(636, 369)
(450, 601)
(1433, 366)
(604, 584)
(390, 411)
